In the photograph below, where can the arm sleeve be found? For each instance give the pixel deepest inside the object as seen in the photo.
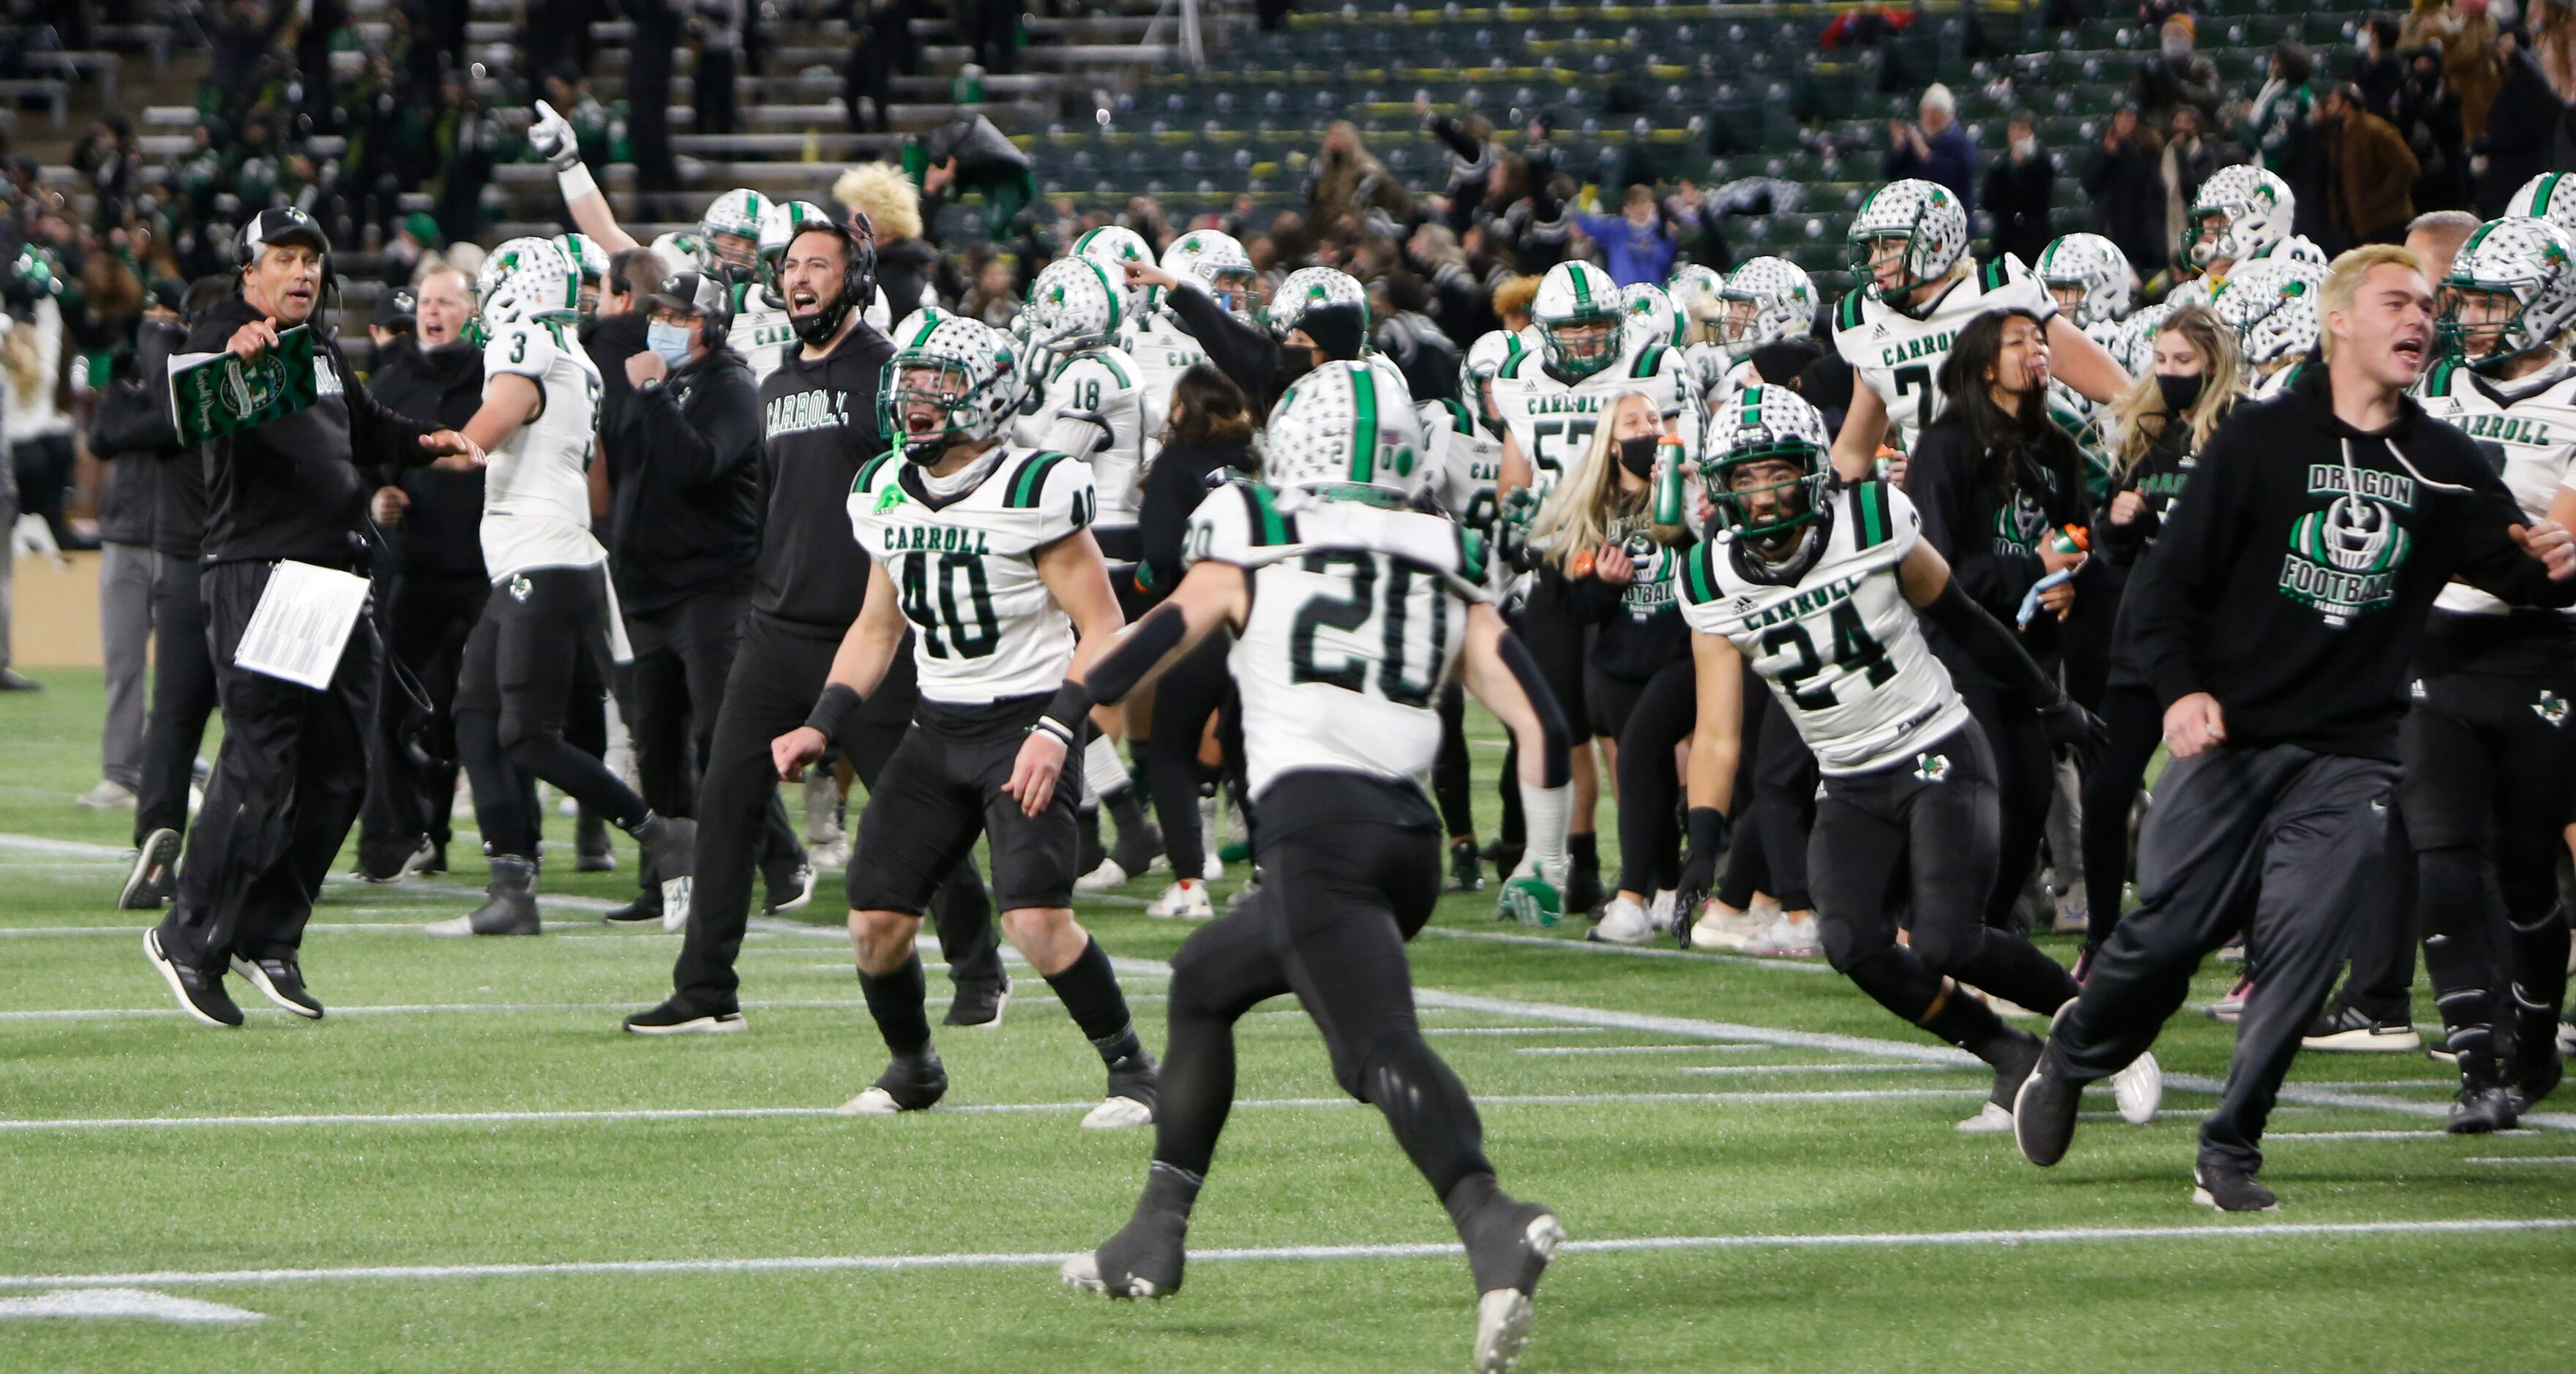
(377, 436)
(1996, 649)
(1243, 352)
(2195, 557)
(1936, 479)
(719, 431)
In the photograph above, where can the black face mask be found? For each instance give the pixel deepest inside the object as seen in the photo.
(1295, 363)
(2179, 392)
(1638, 455)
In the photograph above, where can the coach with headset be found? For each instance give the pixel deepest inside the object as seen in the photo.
(293, 765)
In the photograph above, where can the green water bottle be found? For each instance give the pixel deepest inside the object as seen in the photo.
(1668, 481)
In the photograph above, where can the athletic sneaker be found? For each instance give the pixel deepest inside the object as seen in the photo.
(2231, 1006)
(200, 991)
(390, 861)
(2344, 1028)
(670, 859)
(979, 1002)
(2233, 952)
(1623, 922)
(1786, 938)
(676, 1017)
(907, 1085)
(2072, 913)
(2480, 1109)
(281, 981)
(2139, 1089)
(2018, 1056)
(109, 795)
(1465, 873)
(1722, 927)
(2044, 1116)
(645, 912)
(1144, 1260)
(1509, 1245)
(155, 877)
(1133, 1086)
(1186, 900)
(2230, 1190)
(509, 903)
(790, 892)
(1989, 1120)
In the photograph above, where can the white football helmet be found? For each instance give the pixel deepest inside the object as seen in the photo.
(952, 380)
(1219, 263)
(2089, 277)
(1579, 315)
(1694, 289)
(735, 214)
(1477, 368)
(520, 255)
(1651, 316)
(778, 226)
(1766, 300)
(2237, 213)
(1306, 288)
(2272, 306)
(2550, 196)
(1074, 304)
(587, 256)
(681, 250)
(2133, 343)
(1764, 423)
(1931, 221)
(2526, 260)
(1344, 429)
(538, 291)
(1113, 246)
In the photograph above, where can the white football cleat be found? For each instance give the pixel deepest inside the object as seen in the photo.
(873, 1102)
(1623, 922)
(1502, 1330)
(2139, 1089)
(1113, 1114)
(1786, 939)
(1722, 927)
(1186, 900)
(1989, 1120)
(1101, 879)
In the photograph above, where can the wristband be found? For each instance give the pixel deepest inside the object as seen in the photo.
(1066, 714)
(832, 708)
(576, 183)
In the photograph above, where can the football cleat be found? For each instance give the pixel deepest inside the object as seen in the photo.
(2346, 1029)
(2481, 1109)
(1723, 927)
(791, 892)
(2139, 1089)
(907, 1085)
(155, 876)
(1989, 1120)
(1117, 1114)
(979, 1002)
(1531, 900)
(2230, 1190)
(1186, 900)
(2044, 1117)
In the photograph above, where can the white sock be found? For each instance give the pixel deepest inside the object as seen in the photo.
(1545, 813)
(1104, 774)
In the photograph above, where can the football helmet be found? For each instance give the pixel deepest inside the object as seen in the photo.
(1308, 287)
(2272, 305)
(736, 214)
(2550, 196)
(2526, 260)
(1931, 221)
(1477, 368)
(1764, 423)
(2237, 213)
(951, 381)
(1074, 304)
(1344, 430)
(1651, 316)
(1218, 263)
(1579, 315)
(1694, 289)
(2089, 277)
(1766, 300)
(520, 255)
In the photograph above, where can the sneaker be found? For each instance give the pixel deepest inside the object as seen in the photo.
(1509, 1246)
(676, 1017)
(670, 860)
(978, 1002)
(1133, 1085)
(1465, 873)
(907, 1085)
(281, 981)
(1139, 849)
(2482, 1108)
(1623, 922)
(1989, 1120)
(391, 860)
(1144, 1260)
(2139, 1090)
(2019, 1055)
(2346, 1029)
(2233, 952)
(200, 991)
(435, 866)
(2073, 913)
(591, 853)
(155, 877)
(827, 856)
(1531, 900)
(109, 795)
(1723, 927)
(2231, 1006)
(791, 892)
(11, 680)
(2044, 1116)
(1110, 873)
(2230, 1190)
(644, 913)
(509, 903)
(1186, 900)
(1787, 938)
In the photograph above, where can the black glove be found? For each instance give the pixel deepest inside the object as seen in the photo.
(2072, 728)
(1699, 867)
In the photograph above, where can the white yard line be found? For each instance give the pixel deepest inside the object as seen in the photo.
(2270, 1136)
(122, 1303)
(1630, 951)
(2520, 1159)
(2256, 1230)
(63, 849)
(1533, 1030)
(1748, 1070)
(1633, 1049)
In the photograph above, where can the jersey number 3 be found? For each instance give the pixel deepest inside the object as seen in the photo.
(1353, 615)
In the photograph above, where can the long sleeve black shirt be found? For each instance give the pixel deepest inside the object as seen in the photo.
(441, 531)
(1991, 539)
(1174, 486)
(133, 423)
(685, 485)
(819, 422)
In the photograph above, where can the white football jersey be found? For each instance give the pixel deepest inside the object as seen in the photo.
(985, 627)
(1553, 420)
(759, 331)
(536, 492)
(2531, 442)
(1465, 462)
(1716, 369)
(1100, 382)
(1898, 353)
(2200, 289)
(1358, 614)
(2276, 385)
(1841, 646)
(1161, 353)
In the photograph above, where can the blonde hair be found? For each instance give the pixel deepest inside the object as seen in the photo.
(887, 197)
(1578, 514)
(2139, 418)
(1515, 296)
(2344, 277)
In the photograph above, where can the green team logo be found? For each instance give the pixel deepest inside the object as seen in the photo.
(1932, 767)
(2344, 560)
(2551, 707)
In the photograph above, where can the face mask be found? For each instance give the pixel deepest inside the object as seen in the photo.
(670, 341)
(2025, 147)
(1638, 455)
(1295, 363)
(2175, 48)
(2179, 392)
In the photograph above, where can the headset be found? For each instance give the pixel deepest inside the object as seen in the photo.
(858, 277)
(267, 227)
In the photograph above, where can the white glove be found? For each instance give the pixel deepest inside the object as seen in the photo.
(551, 135)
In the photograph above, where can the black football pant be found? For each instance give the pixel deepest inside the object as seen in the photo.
(531, 664)
(2111, 788)
(1186, 696)
(411, 787)
(1776, 790)
(2279, 843)
(284, 792)
(777, 674)
(183, 695)
(683, 653)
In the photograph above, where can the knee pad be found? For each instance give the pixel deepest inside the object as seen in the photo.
(1942, 947)
(2451, 880)
(1846, 944)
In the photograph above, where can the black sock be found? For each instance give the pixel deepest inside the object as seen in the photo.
(1089, 991)
(895, 1000)
(1170, 1188)
(1471, 1192)
(2540, 966)
(1969, 1024)
(1128, 810)
(1583, 847)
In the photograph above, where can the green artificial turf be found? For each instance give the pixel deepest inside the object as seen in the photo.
(1627, 1146)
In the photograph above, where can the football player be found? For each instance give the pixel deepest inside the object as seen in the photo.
(1338, 723)
(1162, 347)
(1766, 302)
(2241, 215)
(2489, 747)
(984, 551)
(591, 261)
(2272, 306)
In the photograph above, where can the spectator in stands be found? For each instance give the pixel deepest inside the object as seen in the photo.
(238, 38)
(2552, 28)
(2187, 161)
(2375, 69)
(36, 390)
(1346, 181)
(2177, 76)
(996, 26)
(2018, 188)
(891, 205)
(718, 25)
(2466, 37)
(2274, 126)
(1934, 148)
(107, 160)
(996, 298)
(2121, 180)
(1638, 244)
(2371, 195)
(1472, 160)
(648, 92)
(2428, 118)
(2522, 125)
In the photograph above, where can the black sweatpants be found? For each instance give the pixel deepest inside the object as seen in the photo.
(412, 785)
(1452, 777)
(1186, 696)
(537, 649)
(1776, 785)
(683, 653)
(2275, 841)
(284, 792)
(2025, 782)
(1659, 717)
(183, 695)
(2111, 790)
(777, 673)
(1351, 871)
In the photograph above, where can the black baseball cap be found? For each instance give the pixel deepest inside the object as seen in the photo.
(692, 291)
(282, 224)
(395, 309)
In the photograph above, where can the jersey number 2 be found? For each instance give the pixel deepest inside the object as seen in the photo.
(923, 577)
(1351, 614)
(1854, 649)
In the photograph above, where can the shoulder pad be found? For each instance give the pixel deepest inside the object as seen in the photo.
(1848, 314)
(524, 349)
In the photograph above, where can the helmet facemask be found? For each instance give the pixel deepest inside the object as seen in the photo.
(1582, 345)
(1761, 502)
(929, 405)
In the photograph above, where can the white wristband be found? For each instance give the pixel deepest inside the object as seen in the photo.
(576, 183)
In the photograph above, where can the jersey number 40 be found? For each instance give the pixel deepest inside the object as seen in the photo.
(1365, 614)
(971, 630)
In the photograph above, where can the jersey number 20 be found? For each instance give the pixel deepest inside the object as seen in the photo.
(1353, 615)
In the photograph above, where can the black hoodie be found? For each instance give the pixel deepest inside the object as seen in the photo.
(683, 460)
(2298, 602)
(133, 423)
(819, 420)
(441, 531)
(291, 488)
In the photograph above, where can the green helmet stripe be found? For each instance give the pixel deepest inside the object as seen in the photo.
(2540, 198)
(1582, 288)
(1364, 436)
(1108, 288)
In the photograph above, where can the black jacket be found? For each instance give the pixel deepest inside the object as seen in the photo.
(819, 425)
(1991, 539)
(2017, 195)
(441, 531)
(1174, 486)
(292, 488)
(683, 477)
(2127, 189)
(2299, 604)
(133, 423)
(1637, 627)
(1243, 351)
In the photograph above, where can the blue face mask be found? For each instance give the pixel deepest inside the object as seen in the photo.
(670, 341)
